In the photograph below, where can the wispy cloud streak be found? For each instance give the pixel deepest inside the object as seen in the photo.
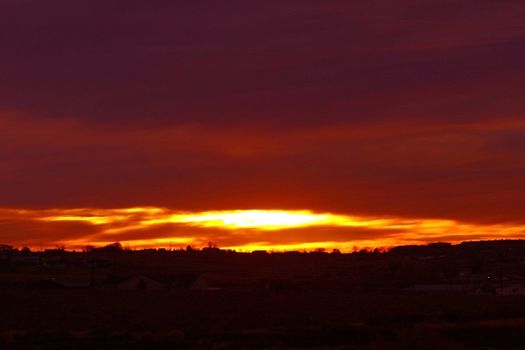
(241, 229)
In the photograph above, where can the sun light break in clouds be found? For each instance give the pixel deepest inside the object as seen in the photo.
(244, 230)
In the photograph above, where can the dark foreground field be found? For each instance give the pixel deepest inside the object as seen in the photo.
(93, 319)
(397, 300)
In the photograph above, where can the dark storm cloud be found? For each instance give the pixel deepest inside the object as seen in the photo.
(284, 62)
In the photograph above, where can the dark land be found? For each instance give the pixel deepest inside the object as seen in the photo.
(440, 296)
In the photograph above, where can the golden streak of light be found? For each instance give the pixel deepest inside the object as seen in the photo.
(326, 246)
(228, 219)
(95, 220)
(112, 225)
(247, 219)
(139, 243)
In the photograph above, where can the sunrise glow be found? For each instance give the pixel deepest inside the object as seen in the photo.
(244, 230)
(254, 219)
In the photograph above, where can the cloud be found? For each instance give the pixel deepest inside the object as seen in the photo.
(241, 229)
(285, 62)
(468, 171)
(384, 108)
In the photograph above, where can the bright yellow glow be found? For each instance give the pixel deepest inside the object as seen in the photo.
(95, 220)
(310, 246)
(248, 230)
(248, 219)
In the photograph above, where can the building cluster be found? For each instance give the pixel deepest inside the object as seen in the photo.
(475, 268)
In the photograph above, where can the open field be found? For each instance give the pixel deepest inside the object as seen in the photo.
(193, 319)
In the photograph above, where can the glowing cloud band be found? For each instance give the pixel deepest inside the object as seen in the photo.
(112, 225)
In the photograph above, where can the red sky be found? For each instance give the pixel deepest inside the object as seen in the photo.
(402, 109)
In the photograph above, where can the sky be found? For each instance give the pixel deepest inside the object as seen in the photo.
(404, 118)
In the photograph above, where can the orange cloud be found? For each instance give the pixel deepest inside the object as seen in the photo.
(239, 229)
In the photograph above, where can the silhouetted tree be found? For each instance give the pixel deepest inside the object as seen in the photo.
(5, 247)
(112, 248)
